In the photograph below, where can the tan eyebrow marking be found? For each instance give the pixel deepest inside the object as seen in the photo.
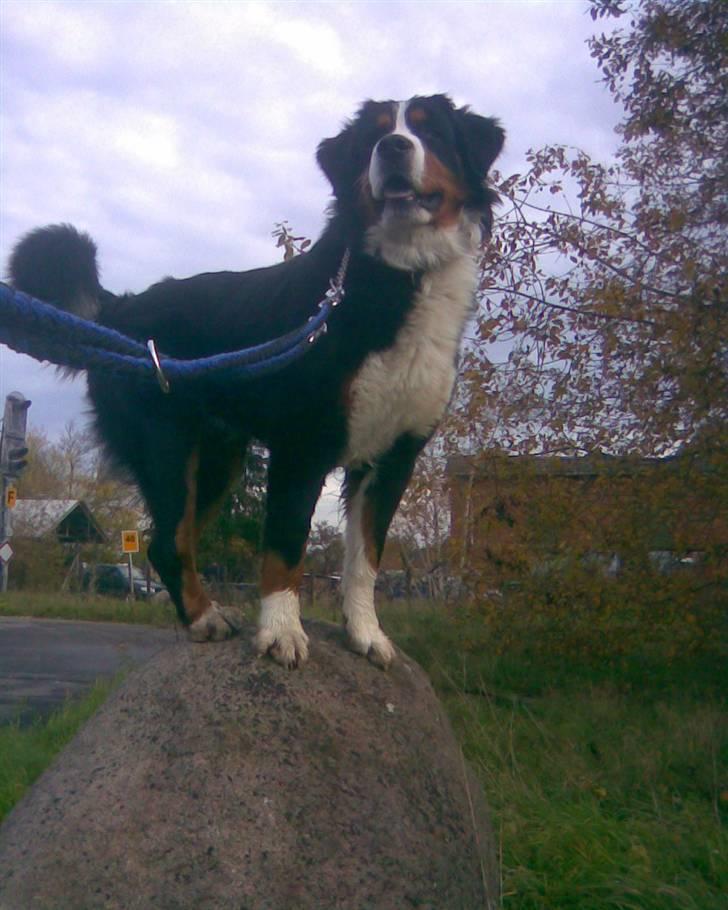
(384, 121)
(416, 115)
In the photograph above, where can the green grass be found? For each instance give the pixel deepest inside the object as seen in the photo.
(25, 752)
(607, 779)
(602, 800)
(42, 605)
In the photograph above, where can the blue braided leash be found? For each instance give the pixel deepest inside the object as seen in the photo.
(31, 326)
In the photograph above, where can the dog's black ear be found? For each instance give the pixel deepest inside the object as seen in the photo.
(335, 158)
(482, 139)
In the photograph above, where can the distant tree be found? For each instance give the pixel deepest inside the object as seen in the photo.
(421, 526)
(60, 470)
(74, 468)
(325, 553)
(75, 449)
(603, 306)
(603, 325)
(602, 320)
(43, 477)
(231, 542)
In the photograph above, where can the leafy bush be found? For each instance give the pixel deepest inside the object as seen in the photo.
(37, 565)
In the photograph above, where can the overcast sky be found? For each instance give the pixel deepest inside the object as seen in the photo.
(178, 133)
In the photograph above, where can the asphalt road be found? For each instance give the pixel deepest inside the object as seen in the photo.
(44, 661)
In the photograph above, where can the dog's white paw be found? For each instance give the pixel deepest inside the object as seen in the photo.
(213, 625)
(280, 632)
(370, 641)
(288, 647)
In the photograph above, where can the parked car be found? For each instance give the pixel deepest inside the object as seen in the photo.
(112, 579)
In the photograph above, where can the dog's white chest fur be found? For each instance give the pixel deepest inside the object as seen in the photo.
(406, 388)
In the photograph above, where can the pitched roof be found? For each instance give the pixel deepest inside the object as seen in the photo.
(70, 520)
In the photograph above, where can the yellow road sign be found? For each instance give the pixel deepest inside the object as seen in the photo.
(11, 497)
(130, 541)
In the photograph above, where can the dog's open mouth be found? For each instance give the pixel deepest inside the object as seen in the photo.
(399, 192)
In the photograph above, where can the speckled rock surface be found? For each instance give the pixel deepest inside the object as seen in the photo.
(212, 779)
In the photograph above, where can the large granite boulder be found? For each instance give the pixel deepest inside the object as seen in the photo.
(212, 779)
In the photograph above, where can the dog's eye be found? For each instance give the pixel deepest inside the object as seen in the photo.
(380, 126)
(433, 132)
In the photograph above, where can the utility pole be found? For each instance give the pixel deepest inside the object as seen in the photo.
(13, 459)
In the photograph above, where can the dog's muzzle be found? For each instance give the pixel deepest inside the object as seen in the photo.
(395, 176)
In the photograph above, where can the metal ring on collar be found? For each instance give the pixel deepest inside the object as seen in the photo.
(161, 378)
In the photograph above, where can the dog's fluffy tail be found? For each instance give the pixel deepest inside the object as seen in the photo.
(58, 265)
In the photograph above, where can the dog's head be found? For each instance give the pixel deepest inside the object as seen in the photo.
(413, 175)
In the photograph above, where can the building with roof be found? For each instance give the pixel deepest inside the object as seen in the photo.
(68, 521)
(513, 514)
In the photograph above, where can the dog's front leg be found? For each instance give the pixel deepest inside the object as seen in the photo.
(372, 495)
(293, 490)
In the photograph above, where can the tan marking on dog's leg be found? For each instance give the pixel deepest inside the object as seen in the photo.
(280, 632)
(367, 531)
(276, 575)
(206, 621)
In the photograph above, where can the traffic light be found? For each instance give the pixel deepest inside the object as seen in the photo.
(13, 450)
(17, 460)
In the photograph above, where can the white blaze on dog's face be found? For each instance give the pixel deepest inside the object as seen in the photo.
(397, 171)
(414, 172)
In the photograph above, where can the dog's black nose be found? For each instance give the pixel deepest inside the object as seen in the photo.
(395, 147)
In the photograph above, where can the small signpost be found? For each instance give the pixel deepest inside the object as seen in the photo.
(11, 497)
(130, 542)
(129, 545)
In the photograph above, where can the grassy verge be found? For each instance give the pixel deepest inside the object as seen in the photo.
(25, 752)
(41, 605)
(602, 801)
(608, 779)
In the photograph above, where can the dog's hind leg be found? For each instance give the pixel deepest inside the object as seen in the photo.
(372, 495)
(293, 490)
(220, 464)
(171, 492)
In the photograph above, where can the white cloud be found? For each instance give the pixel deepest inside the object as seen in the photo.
(72, 36)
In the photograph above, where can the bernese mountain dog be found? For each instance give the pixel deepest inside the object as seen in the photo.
(411, 204)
